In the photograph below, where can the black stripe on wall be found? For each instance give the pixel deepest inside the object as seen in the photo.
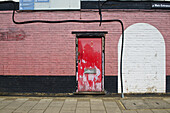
(167, 84)
(54, 84)
(94, 5)
(48, 84)
(111, 84)
(40, 84)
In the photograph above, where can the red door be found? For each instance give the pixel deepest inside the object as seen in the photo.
(89, 64)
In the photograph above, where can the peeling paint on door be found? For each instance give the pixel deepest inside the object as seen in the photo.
(89, 64)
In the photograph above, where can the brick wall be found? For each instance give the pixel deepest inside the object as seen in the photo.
(49, 49)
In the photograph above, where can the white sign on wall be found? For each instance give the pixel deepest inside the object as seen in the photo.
(49, 4)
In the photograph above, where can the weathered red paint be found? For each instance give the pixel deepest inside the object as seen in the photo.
(90, 59)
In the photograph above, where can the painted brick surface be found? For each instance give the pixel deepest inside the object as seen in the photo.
(144, 68)
(49, 49)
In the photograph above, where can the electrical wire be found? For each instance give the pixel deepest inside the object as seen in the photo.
(82, 21)
(100, 13)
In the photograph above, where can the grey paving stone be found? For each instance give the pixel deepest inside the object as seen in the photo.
(159, 111)
(167, 100)
(36, 111)
(27, 106)
(157, 104)
(135, 104)
(68, 108)
(82, 104)
(30, 103)
(97, 104)
(110, 104)
(4, 103)
(6, 111)
(52, 110)
(128, 111)
(63, 111)
(2, 99)
(45, 101)
(71, 100)
(168, 110)
(98, 111)
(56, 103)
(97, 107)
(42, 104)
(82, 111)
(86, 108)
(113, 109)
(144, 111)
(69, 105)
(96, 100)
(24, 109)
(15, 104)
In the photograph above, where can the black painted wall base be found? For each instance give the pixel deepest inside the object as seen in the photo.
(168, 84)
(40, 84)
(53, 84)
(48, 84)
(111, 84)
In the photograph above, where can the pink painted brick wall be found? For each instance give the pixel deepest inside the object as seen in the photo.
(49, 49)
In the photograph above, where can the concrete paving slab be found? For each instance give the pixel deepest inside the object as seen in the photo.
(2, 99)
(67, 111)
(159, 111)
(135, 104)
(24, 109)
(145, 111)
(98, 111)
(27, 106)
(52, 110)
(15, 104)
(42, 104)
(97, 107)
(29, 103)
(96, 100)
(82, 111)
(88, 109)
(129, 111)
(168, 110)
(56, 103)
(82, 104)
(110, 104)
(70, 100)
(6, 111)
(157, 104)
(4, 103)
(36, 111)
(69, 105)
(113, 110)
(97, 104)
(167, 100)
(45, 101)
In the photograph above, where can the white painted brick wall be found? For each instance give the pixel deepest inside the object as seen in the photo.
(143, 61)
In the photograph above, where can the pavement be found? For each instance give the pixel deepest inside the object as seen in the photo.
(91, 104)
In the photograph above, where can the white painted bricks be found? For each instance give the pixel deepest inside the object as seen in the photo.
(143, 60)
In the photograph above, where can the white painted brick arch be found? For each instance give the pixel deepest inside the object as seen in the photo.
(144, 68)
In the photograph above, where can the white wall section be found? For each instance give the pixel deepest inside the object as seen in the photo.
(144, 68)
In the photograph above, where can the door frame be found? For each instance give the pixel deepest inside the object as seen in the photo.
(91, 34)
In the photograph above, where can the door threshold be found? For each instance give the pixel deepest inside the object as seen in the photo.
(89, 93)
